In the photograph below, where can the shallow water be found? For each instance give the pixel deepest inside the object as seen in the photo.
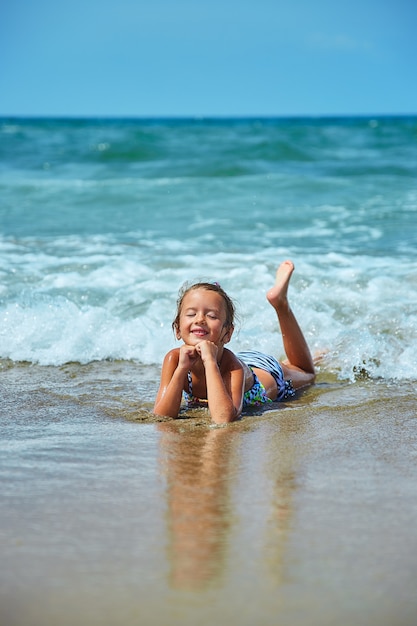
(304, 514)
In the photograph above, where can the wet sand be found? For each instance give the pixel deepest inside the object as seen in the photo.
(303, 515)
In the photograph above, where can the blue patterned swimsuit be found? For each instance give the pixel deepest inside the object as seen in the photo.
(262, 361)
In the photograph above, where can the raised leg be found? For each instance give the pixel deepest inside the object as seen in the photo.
(299, 358)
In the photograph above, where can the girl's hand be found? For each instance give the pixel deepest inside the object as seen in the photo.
(188, 356)
(207, 351)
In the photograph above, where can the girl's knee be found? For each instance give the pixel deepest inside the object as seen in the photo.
(299, 378)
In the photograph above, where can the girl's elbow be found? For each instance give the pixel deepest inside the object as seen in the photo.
(161, 412)
(226, 418)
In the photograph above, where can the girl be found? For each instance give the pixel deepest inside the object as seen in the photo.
(208, 373)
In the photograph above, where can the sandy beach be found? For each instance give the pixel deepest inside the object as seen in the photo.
(303, 515)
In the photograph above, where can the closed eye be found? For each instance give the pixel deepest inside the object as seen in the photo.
(210, 314)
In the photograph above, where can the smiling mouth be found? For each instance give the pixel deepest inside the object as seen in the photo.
(199, 333)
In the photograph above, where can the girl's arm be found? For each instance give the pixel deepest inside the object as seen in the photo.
(168, 399)
(224, 399)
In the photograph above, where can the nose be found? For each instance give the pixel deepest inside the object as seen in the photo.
(200, 318)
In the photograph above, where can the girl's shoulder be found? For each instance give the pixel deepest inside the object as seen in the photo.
(230, 360)
(172, 356)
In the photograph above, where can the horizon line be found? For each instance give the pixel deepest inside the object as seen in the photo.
(208, 117)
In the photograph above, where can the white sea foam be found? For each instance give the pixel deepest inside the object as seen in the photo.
(84, 300)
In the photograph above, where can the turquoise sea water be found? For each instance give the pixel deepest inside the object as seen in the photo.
(102, 220)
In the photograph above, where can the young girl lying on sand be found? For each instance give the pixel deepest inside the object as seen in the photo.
(207, 373)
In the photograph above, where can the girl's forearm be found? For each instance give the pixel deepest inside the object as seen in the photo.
(168, 402)
(222, 409)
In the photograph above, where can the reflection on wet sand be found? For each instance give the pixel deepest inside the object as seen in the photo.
(283, 469)
(197, 464)
(202, 470)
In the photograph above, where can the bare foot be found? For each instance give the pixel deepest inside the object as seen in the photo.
(277, 295)
(319, 356)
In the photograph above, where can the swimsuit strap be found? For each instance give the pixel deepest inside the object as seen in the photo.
(190, 383)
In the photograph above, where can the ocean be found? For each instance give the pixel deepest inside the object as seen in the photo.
(101, 222)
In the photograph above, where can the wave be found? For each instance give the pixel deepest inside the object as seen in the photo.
(112, 303)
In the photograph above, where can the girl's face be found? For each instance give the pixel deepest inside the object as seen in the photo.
(202, 318)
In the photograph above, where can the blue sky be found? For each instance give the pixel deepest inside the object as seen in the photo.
(207, 57)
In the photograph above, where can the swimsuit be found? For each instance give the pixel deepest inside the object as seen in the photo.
(256, 395)
(252, 358)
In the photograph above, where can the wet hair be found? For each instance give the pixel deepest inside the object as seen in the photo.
(228, 302)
